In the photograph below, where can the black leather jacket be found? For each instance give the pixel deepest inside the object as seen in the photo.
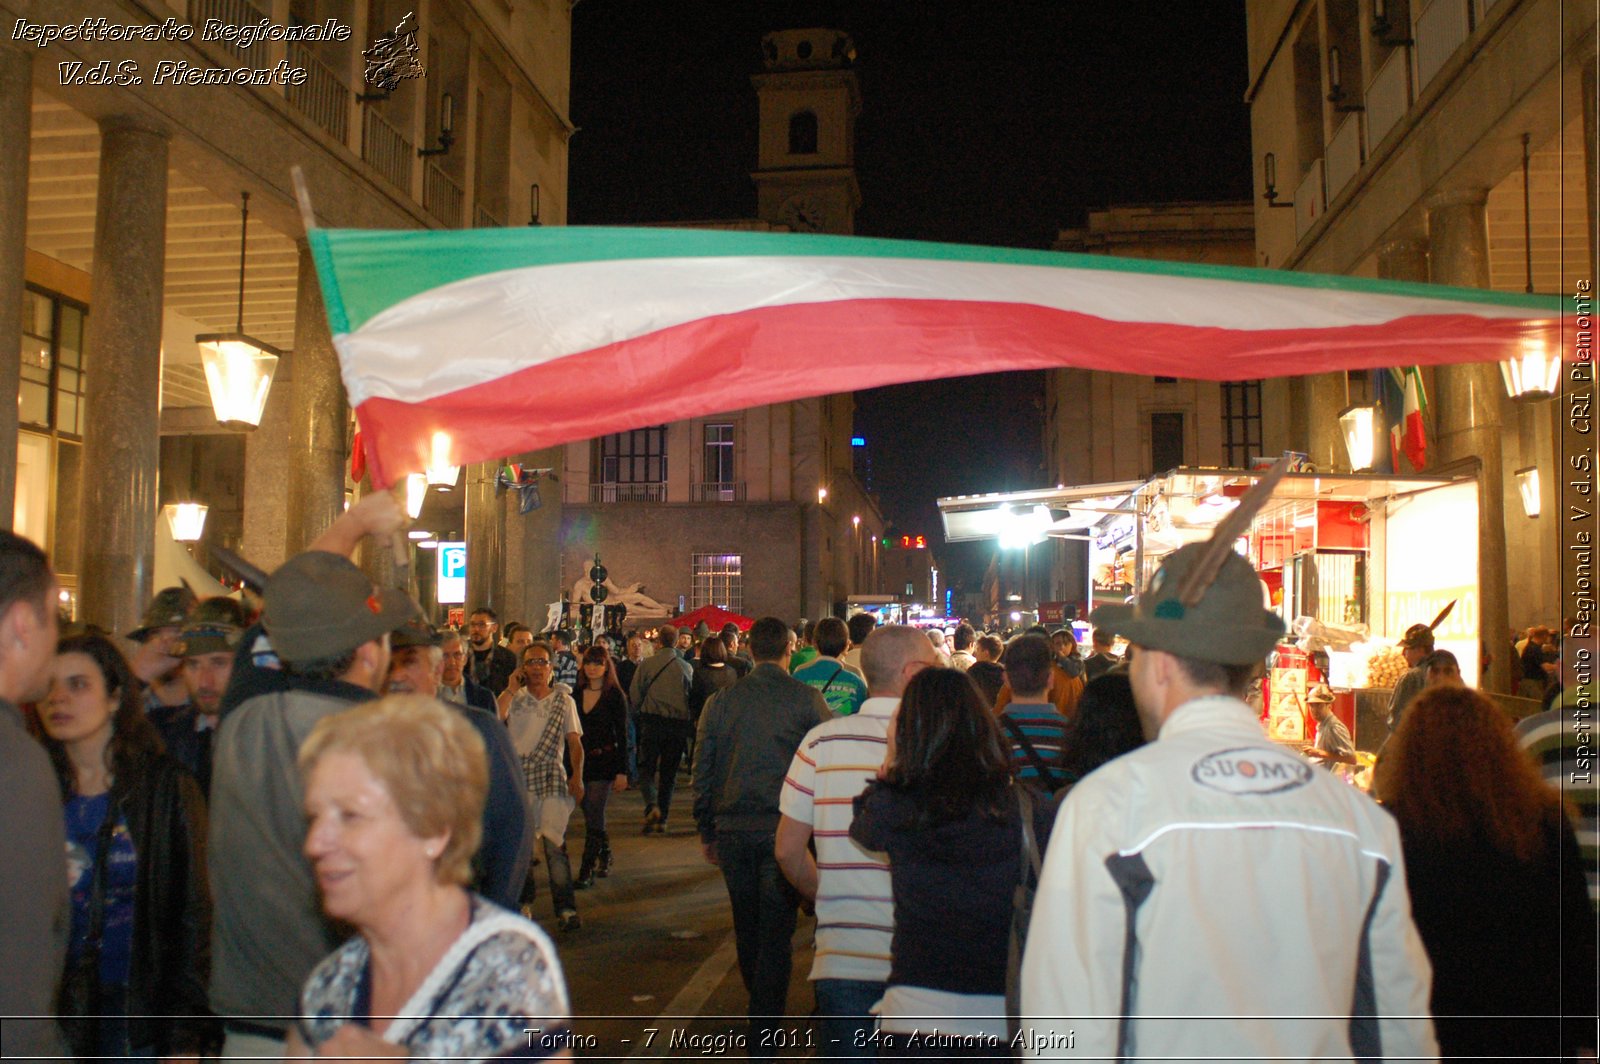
(171, 962)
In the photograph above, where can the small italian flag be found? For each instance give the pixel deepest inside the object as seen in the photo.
(1406, 433)
(468, 345)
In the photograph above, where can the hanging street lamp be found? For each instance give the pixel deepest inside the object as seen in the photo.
(238, 367)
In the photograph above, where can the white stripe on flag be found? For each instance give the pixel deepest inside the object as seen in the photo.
(487, 327)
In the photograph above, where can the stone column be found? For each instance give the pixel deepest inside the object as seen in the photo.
(486, 538)
(123, 350)
(16, 121)
(1469, 397)
(1327, 395)
(266, 475)
(377, 557)
(1591, 171)
(317, 419)
(535, 580)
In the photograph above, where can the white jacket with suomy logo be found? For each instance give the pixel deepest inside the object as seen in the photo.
(1211, 895)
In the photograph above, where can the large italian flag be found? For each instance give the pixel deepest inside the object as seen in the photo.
(468, 345)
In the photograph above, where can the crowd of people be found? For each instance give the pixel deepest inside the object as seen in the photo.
(312, 831)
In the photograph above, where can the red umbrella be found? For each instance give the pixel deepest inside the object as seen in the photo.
(715, 617)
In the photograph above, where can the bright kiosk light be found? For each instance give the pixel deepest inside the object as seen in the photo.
(1534, 374)
(1528, 487)
(1359, 424)
(419, 533)
(416, 492)
(428, 544)
(188, 520)
(239, 375)
(1015, 616)
(441, 474)
(1019, 530)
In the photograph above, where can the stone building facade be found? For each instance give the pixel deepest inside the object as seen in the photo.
(1400, 135)
(120, 241)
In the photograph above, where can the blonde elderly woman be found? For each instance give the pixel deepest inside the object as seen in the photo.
(394, 794)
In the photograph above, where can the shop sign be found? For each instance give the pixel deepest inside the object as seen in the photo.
(452, 573)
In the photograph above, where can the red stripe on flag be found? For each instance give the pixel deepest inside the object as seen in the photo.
(777, 354)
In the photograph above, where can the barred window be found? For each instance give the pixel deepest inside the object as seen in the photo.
(718, 581)
(1241, 422)
(635, 457)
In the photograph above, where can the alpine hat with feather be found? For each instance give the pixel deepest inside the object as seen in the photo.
(1205, 601)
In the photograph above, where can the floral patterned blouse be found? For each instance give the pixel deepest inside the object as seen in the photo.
(498, 992)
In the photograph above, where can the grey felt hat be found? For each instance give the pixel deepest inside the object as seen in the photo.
(1205, 602)
(318, 605)
(1228, 625)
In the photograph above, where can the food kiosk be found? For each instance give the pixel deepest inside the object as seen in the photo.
(1348, 560)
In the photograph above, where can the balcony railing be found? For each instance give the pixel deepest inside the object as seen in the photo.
(1310, 200)
(1388, 98)
(441, 196)
(1441, 28)
(483, 218)
(322, 97)
(1344, 155)
(233, 13)
(388, 152)
(628, 492)
(717, 491)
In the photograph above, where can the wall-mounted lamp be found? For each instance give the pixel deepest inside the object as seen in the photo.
(1269, 178)
(238, 367)
(1360, 427)
(822, 496)
(1533, 375)
(416, 494)
(447, 126)
(187, 520)
(1381, 27)
(856, 520)
(1528, 487)
(1336, 92)
(533, 205)
(441, 475)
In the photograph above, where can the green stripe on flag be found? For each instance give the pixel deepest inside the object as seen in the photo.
(364, 272)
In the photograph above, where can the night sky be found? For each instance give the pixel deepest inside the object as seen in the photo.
(996, 123)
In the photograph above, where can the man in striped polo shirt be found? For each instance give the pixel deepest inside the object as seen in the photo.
(1561, 740)
(855, 910)
(1031, 722)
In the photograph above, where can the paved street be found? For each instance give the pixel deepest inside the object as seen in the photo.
(656, 951)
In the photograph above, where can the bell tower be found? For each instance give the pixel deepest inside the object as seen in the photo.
(809, 98)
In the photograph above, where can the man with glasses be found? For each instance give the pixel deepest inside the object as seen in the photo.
(543, 721)
(490, 664)
(850, 886)
(454, 683)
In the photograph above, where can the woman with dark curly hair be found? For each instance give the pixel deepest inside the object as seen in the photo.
(1105, 727)
(137, 962)
(1496, 882)
(946, 811)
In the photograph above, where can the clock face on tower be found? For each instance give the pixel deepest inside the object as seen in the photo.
(803, 214)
